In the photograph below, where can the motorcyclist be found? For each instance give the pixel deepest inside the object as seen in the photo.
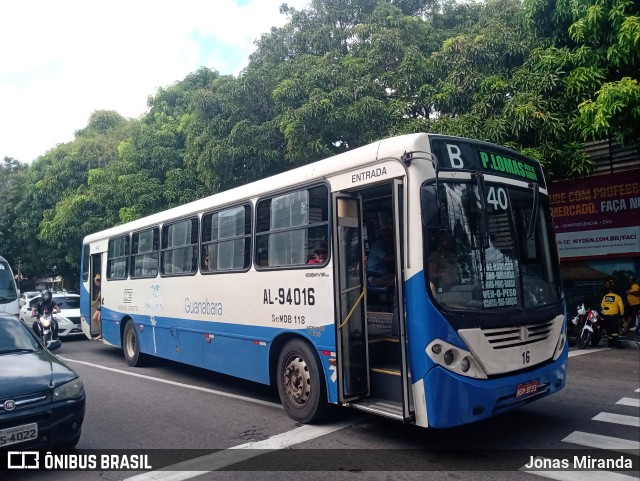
(49, 305)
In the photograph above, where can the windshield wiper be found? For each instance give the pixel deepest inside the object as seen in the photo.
(479, 178)
(13, 351)
(534, 211)
(7, 299)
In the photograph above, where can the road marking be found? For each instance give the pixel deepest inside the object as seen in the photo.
(211, 462)
(580, 475)
(618, 419)
(179, 384)
(602, 442)
(629, 401)
(587, 351)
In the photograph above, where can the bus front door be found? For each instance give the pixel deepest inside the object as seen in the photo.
(95, 292)
(351, 324)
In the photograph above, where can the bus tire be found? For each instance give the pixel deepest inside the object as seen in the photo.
(131, 345)
(300, 382)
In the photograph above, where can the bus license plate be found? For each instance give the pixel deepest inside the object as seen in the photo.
(18, 434)
(526, 388)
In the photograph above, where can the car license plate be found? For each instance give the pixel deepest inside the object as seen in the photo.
(526, 388)
(18, 434)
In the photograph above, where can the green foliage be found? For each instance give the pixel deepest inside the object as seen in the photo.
(540, 76)
(602, 73)
(616, 104)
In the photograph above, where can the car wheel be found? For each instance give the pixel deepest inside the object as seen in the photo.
(131, 345)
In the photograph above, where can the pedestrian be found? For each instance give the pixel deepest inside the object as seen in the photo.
(612, 310)
(633, 301)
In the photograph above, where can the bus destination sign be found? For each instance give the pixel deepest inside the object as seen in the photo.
(457, 154)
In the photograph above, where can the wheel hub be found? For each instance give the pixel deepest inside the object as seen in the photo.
(297, 380)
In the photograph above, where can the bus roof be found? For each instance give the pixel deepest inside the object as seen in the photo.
(391, 147)
(386, 148)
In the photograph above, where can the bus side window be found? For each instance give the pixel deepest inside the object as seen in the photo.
(289, 225)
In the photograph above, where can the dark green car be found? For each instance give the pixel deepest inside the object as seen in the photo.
(42, 400)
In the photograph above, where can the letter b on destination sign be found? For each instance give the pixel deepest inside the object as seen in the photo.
(455, 156)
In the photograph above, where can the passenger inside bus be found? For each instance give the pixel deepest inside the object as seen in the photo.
(319, 255)
(97, 304)
(381, 261)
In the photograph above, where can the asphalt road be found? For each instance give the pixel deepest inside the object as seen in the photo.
(188, 413)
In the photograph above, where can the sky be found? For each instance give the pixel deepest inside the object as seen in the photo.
(61, 60)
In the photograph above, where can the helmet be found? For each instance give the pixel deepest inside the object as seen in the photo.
(46, 295)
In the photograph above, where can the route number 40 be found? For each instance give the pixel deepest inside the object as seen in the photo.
(497, 198)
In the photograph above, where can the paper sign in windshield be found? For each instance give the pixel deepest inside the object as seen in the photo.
(499, 285)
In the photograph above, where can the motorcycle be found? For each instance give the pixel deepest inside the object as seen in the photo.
(46, 325)
(589, 323)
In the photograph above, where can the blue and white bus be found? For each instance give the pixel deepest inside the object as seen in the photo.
(474, 324)
(9, 294)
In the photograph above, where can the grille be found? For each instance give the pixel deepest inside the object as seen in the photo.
(506, 337)
(24, 401)
(75, 320)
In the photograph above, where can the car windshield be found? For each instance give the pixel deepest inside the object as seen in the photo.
(488, 255)
(15, 337)
(67, 302)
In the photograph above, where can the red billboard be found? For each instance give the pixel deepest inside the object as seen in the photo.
(598, 216)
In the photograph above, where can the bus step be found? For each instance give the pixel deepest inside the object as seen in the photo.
(386, 383)
(385, 350)
(383, 407)
(379, 319)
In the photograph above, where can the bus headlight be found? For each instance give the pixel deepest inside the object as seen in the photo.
(448, 357)
(455, 359)
(465, 364)
(560, 346)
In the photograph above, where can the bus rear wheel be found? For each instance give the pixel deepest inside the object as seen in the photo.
(131, 345)
(300, 385)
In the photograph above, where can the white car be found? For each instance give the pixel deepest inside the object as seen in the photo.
(68, 318)
(26, 296)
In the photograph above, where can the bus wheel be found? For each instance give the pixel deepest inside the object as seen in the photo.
(131, 345)
(300, 383)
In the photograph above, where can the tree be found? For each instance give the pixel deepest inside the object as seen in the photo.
(12, 184)
(47, 237)
(602, 42)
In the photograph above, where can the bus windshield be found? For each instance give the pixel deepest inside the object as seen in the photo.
(8, 292)
(494, 253)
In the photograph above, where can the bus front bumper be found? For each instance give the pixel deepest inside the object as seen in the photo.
(453, 400)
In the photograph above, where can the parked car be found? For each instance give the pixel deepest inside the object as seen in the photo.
(25, 297)
(42, 400)
(68, 318)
